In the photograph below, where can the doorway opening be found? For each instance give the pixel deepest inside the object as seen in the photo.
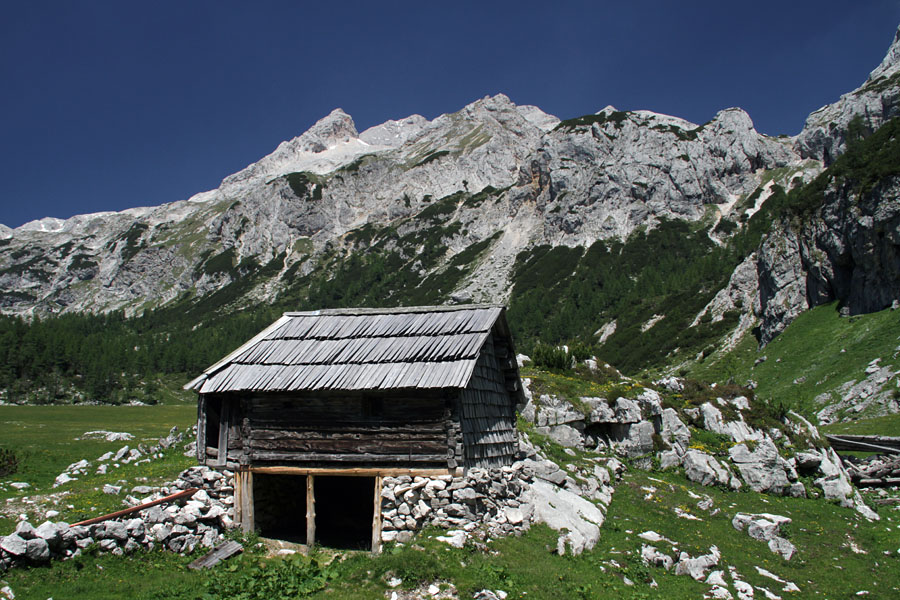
(279, 503)
(344, 511)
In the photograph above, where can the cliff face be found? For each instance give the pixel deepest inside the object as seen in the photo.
(849, 250)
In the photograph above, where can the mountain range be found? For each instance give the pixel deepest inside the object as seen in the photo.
(643, 236)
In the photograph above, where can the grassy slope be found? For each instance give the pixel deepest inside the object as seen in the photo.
(810, 347)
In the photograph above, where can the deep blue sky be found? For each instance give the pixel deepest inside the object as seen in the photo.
(109, 105)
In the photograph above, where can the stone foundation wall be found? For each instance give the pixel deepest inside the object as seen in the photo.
(488, 498)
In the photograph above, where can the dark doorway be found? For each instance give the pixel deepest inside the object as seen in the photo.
(213, 415)
(279, 506)
(344, 511)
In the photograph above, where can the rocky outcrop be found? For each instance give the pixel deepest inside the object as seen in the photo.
(626, 425)
(873, 394)
(766, 527)
(602, 176)
(860, 112)
(848, 251)
(498, 502)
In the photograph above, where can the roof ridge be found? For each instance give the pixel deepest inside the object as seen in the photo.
(383, 336)
(398, 310)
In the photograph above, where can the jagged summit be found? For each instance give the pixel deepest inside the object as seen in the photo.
(876, 101)
(891, 62)
(327, 133)
(394, 134)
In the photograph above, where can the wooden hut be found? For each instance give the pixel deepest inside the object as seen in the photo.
(318, 407)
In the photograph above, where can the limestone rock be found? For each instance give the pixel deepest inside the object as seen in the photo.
(13, 544)
(37, 550)
(674, 431)
(651, 556)
(825, 134)
(762, 469)
(704, 469)
(577, 519)
(697, 567)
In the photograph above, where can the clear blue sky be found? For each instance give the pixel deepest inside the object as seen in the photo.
(109, 105)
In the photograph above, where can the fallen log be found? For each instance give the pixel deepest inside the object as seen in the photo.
(857, 443)
(884, 482)
(121, 513)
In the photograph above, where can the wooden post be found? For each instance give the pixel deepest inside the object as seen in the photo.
(247, 519)
(238, 498)
(310, 511)
(201, 429)
(376, 518)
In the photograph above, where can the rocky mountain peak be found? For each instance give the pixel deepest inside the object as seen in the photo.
(47, 224)
(891, 62)
(732, 120)
(825, 134)
(328, 132)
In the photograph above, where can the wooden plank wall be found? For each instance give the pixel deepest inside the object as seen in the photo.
(230, 409)
(488, 411)
(347, 430)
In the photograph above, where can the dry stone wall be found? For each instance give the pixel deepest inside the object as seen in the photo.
(178, 527)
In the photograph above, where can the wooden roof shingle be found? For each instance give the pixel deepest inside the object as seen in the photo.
(359, 349)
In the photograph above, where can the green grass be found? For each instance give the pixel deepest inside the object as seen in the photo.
(574, 384)
(43, 438)
(528, 567)
(142, 576)
(821, 346)
(885, 425)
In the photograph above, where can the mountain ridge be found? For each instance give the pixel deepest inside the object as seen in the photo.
(456, 209)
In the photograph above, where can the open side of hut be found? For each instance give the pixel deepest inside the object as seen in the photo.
(317, 408)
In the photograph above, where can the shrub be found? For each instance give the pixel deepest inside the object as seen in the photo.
(551, 357)
(9, 464)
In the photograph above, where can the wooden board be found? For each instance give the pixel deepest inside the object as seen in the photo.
(217, 555)
(121, 513)
(351, 471)
(274, 456)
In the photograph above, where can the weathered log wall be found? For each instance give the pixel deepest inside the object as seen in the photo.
(412, 428)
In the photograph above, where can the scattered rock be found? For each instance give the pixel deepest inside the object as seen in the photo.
(697, 567)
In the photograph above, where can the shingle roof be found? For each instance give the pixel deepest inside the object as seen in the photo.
(358, 349)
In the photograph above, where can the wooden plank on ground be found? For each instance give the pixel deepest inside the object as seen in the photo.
(859, 443)
(217, 555)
